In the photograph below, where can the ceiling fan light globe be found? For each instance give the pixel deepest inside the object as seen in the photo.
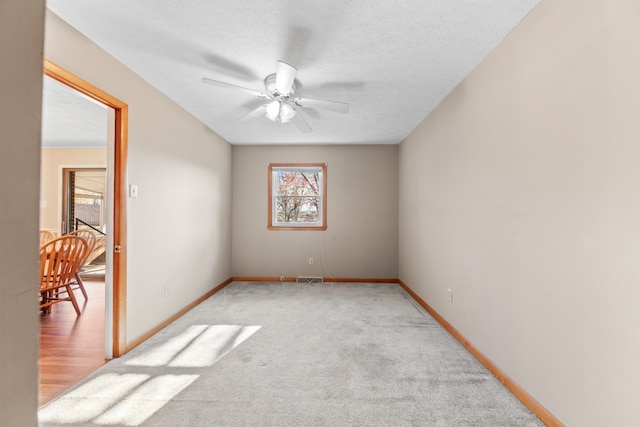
(287, 113)
(273, 110)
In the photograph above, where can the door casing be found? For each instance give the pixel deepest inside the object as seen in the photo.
(118, 249)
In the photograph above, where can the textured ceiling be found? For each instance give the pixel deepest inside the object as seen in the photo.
(70, 119)
(392, 61)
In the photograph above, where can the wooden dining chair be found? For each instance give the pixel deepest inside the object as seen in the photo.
(46, 236)
(90, 237)
(60, 259)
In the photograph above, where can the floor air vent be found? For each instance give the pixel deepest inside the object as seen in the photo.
(309, 279)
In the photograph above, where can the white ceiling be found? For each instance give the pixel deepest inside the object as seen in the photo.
(70, 119)
(392, 61)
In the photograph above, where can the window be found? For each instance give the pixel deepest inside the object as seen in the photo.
(297, 196)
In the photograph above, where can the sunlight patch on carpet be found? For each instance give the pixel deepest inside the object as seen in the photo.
(127, 399)
(146, 400)
(163, 353)
(130, 399)
(212, 345)
(197, 346)
(91, 399)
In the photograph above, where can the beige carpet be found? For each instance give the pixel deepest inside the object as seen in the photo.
(283, 354)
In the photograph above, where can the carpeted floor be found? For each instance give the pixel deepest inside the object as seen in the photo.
(285, 354)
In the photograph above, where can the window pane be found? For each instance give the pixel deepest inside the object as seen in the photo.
(297, 209)
(297, 195)
(297, 183)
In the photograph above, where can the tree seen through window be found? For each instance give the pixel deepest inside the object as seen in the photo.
(296, 194)
(297, 197)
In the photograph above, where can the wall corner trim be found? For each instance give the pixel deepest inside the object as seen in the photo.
(540, 411)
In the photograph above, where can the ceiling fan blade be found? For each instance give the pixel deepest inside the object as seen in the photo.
(232, 86)
(285, 75)
(256, 112)
(301, 123)
(338, 107)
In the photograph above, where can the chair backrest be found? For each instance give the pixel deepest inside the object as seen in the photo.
(90, 237)
(60, 259)
(46, 236)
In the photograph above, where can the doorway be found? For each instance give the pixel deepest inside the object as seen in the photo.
(105, 209)
(117, 161)
(84, 207)
(84, 204)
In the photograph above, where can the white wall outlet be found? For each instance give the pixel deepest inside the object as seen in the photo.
(167, 290)
(450, 294)
(282, 278)
(310, 260)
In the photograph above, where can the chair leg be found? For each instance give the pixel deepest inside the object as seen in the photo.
(72, 297)
(81, 286)
(44, 299)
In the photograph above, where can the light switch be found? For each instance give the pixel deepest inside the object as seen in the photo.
(133, 191)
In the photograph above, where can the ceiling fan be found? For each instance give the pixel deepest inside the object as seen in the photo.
(281, 105)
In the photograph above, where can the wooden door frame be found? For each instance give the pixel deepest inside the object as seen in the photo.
(119, 266)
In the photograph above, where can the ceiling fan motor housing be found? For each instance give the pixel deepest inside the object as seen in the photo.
(270, 85)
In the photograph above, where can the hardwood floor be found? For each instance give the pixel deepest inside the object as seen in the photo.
(71, 347)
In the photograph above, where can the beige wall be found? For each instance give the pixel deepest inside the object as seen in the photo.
(53, 160)
(521, 193)
(361, 239)
(21, 32)
(179, 227)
